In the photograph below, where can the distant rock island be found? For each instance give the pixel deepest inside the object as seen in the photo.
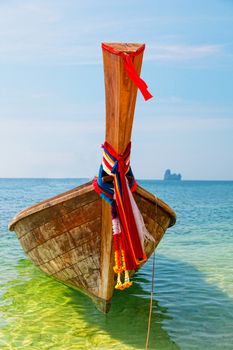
(169, 176)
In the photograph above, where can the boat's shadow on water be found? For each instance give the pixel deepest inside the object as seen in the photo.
(127, 319)
(190, 318)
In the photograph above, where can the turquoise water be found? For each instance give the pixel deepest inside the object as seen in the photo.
(193, 304)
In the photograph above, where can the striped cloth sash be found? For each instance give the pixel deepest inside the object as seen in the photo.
(128, 240)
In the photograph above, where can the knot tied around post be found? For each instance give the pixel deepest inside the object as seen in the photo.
(129, 230)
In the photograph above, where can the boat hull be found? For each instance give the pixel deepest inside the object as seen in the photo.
(69, 238)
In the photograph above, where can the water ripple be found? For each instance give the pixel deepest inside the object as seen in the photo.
(193, 304)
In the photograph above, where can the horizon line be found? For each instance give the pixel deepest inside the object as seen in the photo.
(89, 179)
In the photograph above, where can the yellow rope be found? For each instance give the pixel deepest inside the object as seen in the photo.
(151, 302)
(152, 284)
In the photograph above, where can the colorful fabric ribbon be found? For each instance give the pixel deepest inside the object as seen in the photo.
(129, 230)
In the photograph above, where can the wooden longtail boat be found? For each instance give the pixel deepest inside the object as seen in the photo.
(70, 236)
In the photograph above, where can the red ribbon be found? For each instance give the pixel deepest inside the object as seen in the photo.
(130, 69)
(134, 253)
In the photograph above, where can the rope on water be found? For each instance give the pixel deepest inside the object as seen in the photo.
(152, 288)
(151, 302)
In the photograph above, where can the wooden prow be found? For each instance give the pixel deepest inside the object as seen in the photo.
(69, 236)
(120, 94)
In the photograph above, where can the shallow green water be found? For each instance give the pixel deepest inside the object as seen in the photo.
(193, 306)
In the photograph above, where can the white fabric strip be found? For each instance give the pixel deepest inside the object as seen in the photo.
(116, 226)
(143, 233)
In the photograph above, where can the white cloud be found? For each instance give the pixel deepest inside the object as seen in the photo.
(40, 32)
(69, 149)
(169, 100)
(47, 149)
(182, 124)
(181, 52)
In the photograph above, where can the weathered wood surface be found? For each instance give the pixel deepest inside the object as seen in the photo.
(120, 96)
(74, 245)
(69, 236)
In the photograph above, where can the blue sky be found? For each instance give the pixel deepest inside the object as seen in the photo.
(52, 108)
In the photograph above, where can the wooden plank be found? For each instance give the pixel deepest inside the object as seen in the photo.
(53, 201)
(65, 274)
(146, 195)
(79, 201)
(86, 231)
(57, 227)
(153, 210)
(82, 215)
(86, 241)
(106, 285)
(53, 228)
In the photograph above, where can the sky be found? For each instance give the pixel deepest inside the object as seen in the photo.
(52, 102)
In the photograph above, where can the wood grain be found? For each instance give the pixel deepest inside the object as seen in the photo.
(120, 96)
(76, 247)
(69, 236)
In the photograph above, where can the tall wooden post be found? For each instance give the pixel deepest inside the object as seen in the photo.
(121, 94)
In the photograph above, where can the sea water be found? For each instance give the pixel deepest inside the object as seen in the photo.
(193, 300)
